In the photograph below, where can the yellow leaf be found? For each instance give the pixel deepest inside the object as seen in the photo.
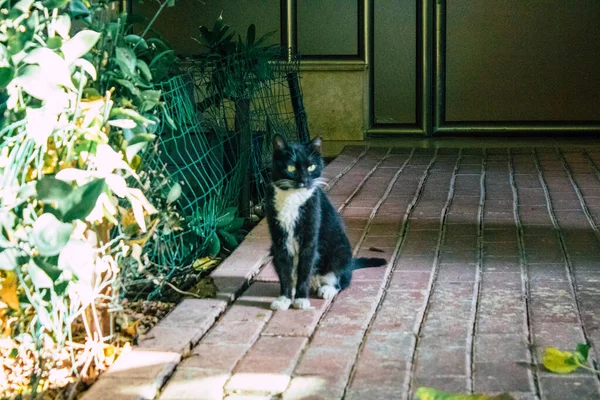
(204, 263)
(561, 362)
(8, 291)
(109, 354)
(425, 393)
(132, 329)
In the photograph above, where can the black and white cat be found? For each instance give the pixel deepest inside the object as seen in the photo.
(310, 248)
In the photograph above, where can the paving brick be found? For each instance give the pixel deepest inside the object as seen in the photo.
(215, 356)
(410, 280)
(267, 274)
(296, 322)
(375, 393)
(170, 339)
(436, 355)
(195, 384)
(198, 313)
(457, 272)
(500, 348)
(447, 383)
(313, 388)
(267, 367)
(400, 311)
(564, 336)
(569, 387)
(501, 377)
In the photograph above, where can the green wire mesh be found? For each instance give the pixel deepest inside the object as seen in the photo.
(226, 113)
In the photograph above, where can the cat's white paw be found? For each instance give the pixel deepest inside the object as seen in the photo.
(327, 292)
(281, 303)
(302, 304)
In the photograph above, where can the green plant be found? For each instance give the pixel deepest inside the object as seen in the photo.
(223, 233)
(70, 138)
(239, 67)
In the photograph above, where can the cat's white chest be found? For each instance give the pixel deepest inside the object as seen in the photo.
(287, 211)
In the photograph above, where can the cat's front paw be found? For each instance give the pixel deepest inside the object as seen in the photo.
(327, 292)
(281, 303)
(302, 304)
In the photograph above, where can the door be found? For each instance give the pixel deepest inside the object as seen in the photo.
(472, 66)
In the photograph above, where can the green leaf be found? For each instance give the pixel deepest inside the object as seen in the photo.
(51, 4)
(79, 45)
(6, 75)
(150, 98)
(235, 225)
(78, 9)
(49, 266)
(160, 56)
(127, 57)
(137, 42)
(82, 200)
(251, 35)
(54, 42)
(561, 362)
(213, 245)
(49, 235)
(144, 69)
(229, 240)
(142, 138)
(53, 66)
(122, 123)
(128, 85)
(582, 352)
(426, 393)
(174, 193)
(40, 279)
(226, 218)
(11, 258)
(51, 189)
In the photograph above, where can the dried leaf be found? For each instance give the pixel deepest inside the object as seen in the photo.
(132, 329)
(8, 291)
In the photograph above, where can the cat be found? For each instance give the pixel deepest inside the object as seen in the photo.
(310, 249)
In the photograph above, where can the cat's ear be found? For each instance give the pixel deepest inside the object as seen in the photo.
(279, 143)
(315, 144)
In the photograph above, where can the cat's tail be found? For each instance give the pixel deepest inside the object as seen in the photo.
(365, 262)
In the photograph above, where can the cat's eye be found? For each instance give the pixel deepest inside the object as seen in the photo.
(291, 168)
(311, 167)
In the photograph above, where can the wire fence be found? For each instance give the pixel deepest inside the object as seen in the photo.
(226, 112)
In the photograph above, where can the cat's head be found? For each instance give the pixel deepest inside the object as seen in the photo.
(297, 165)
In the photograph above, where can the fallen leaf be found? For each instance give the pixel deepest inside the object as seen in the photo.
(132, 329)
(205, 263)
(109, 354)
(205, 288)
(8, 291)
(561, 362)
(425, 393)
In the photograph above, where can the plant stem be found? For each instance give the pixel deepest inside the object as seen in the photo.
(160, 9)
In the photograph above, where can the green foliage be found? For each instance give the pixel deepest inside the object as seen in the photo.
(78, 110)
(223, 234)
(239, 67)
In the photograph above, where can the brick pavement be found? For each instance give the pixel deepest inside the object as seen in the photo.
(493, 255)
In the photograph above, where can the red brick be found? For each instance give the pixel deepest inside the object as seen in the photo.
(194, 384)
(215, 356)
(501, 377)
(569, 387)
(267, 274)
(410, 280)
(268, 366)
(296, 322)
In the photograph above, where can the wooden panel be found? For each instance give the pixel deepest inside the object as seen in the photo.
(515, 60)
(179, 24)
(395, 62)
(328, 27)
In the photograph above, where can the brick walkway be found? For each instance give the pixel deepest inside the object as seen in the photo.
(494, 254)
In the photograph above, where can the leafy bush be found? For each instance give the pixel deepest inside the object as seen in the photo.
(78, 108)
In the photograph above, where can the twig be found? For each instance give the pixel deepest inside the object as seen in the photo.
(182, 292)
